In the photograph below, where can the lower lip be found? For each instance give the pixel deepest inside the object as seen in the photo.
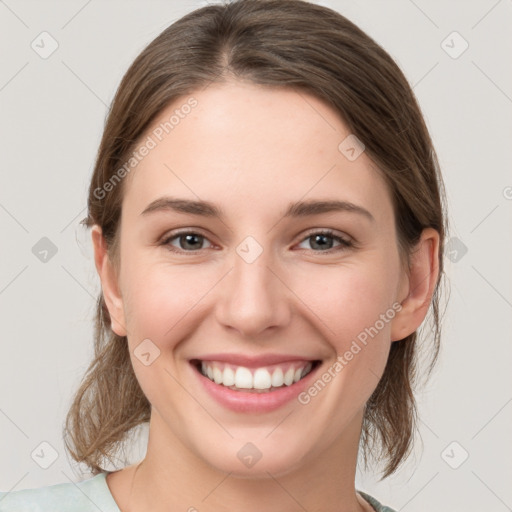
(242, 401)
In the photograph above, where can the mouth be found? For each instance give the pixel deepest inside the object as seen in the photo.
(263, 379)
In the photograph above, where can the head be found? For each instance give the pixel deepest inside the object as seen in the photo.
(225, 107)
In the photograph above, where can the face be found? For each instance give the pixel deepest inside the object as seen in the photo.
(290, 308)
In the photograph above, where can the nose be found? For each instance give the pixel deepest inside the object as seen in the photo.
(254, 298)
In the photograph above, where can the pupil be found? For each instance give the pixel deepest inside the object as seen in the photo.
(188, 238)
(321, 245)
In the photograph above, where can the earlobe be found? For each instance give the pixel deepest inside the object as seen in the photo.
(422, 277)
(109, 281)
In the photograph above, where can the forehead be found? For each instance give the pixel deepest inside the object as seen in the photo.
(253, 149)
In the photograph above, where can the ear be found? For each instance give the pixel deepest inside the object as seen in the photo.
(420, 282)
(109, 282)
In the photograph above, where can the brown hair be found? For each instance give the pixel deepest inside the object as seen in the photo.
(279, 43)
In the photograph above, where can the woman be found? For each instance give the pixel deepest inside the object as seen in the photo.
(268, 227)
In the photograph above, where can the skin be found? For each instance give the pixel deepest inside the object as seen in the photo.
(252, 150)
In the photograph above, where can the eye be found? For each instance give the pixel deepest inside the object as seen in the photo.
(188, 241)
(321, 240)
(191, 241)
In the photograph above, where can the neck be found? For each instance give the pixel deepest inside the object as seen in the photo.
(172, 477)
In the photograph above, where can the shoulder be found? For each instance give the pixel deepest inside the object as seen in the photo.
(373, 502)
(87, 496)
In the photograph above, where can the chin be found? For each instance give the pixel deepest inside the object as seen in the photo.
(249, 462)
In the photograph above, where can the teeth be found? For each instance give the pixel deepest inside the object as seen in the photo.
(259, 379)
(277, 378)
(228, 377)
(288, 377)
(306, 370)
(217, 375)
(243, 378)
(262, 379)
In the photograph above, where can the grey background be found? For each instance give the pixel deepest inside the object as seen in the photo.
(52, 114)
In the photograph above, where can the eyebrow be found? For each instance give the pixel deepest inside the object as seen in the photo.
(298, 209)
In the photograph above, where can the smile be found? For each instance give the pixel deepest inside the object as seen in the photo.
(257, 380)
(254, 383)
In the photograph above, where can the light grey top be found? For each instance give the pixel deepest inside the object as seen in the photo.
(92, 495)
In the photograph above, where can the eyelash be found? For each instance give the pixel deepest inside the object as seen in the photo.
(345, 243)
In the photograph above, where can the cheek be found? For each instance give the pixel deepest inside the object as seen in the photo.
(348, 299)
(158, 296)
(353, 307)
(160, 301)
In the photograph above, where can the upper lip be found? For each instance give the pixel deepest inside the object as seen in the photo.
(254, 361)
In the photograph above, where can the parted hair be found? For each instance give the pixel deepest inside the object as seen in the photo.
(277, 43)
